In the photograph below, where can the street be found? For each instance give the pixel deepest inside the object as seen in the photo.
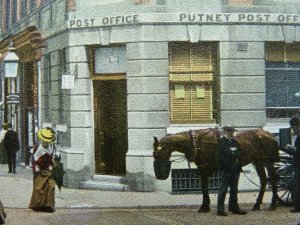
(150, 216)
(91, 207)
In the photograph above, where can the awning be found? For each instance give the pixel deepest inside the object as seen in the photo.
(28, 43)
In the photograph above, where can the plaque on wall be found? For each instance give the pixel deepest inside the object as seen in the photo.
(110, 60)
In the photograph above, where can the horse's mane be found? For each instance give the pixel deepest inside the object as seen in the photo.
(170, 138)
(208, 135)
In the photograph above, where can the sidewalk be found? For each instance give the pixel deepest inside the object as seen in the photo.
(16, 191)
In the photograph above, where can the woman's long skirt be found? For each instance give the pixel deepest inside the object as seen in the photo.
(2, 214)
(43, 193)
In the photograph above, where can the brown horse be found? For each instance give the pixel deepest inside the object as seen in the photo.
(259, 147)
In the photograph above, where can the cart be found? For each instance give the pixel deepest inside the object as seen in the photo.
(285, 170)
(285, 173)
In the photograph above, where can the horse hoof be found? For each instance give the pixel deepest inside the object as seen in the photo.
(204, 209)
(256, 208)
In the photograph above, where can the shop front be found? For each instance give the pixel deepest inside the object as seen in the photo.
(20, 93)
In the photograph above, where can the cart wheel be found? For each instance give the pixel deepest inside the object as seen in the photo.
(285, 184)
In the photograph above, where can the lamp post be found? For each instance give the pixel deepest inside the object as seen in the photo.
(11, 61)
(10, 68)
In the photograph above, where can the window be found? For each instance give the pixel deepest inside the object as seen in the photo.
(14, 16)
(23, 9)
(47, 85)
(282, 79)
(192, 71)
(32, 5)
(62, 98)
(7, 14)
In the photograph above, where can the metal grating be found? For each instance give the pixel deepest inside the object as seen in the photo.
(188, 181)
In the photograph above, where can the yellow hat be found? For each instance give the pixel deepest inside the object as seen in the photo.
(46, 135)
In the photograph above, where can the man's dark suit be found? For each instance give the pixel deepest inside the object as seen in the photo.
(229, 152)
(295, 152)
(11, 145)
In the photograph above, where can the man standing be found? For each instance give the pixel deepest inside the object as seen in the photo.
(295, 152)
(11, 145)
(3, 156)
(229, 153)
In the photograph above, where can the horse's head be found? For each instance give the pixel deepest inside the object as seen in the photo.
(162, 163)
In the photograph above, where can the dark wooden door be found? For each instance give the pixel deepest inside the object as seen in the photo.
(110, 114)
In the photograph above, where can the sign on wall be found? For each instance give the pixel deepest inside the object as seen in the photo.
(110, 60)
(193, 18)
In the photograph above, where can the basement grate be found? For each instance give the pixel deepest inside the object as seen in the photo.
(186, 181)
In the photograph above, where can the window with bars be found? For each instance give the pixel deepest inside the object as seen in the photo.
(192, 69)
(282, 79)
(188, 181)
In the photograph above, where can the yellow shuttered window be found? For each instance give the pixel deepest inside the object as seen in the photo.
(274, 52)
(192, 68)
(281, 52)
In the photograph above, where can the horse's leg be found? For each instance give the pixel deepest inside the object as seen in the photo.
(273, 178)
(260, 169)
(204, 186)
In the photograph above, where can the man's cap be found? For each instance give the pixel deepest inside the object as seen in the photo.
(229, 128)
(295, 121)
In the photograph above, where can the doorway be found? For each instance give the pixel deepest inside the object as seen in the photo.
(29, 109)
(111, 133)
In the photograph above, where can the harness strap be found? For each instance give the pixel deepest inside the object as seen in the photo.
(192, 134)
(248, 178)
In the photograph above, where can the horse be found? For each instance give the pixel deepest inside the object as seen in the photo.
(258, 147)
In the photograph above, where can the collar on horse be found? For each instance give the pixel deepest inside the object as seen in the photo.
(193, 147)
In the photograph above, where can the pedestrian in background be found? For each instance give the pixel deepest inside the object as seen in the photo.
(3, 131)
(295, 152)
(12, 145)
(229, 153)
(43, 193)
(3, 155)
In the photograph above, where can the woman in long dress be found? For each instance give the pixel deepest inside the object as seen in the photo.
(2, 214)
(43, 193)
